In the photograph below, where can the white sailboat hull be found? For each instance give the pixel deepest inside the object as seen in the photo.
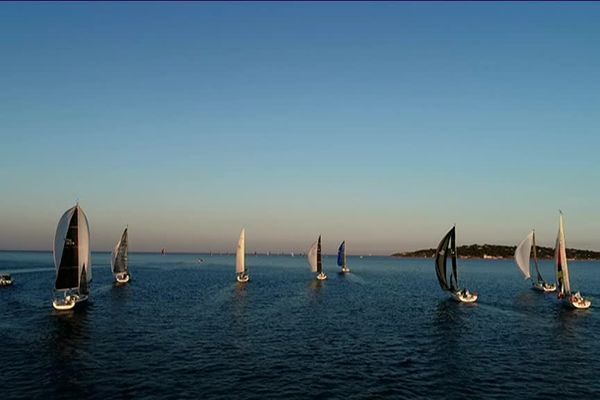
(6, 281)
(345, 270)
(576, 301)
(464, 297)
(544, 287)
(243, 278)
(68, 302)
(122, 277)
(321, 276)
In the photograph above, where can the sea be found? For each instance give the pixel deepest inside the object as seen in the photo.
(183, 328)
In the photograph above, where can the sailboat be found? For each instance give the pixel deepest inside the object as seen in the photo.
(5, 280)
(450, 284)
(72, 258)
(240, 259)
(522, 258)
(562, 272)
(314, 259)
(119, 262)
(341, 261)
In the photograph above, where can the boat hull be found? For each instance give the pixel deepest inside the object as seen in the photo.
(6, 282)
(122, 278)
(68, 302)
(544, 287)
(321, 276)
(578, 303)
(243, 279)
(464, 298)
(345, 270)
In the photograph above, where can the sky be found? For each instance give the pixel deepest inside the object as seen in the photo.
(382, 124)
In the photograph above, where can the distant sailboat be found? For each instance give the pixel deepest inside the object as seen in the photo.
(562, 272)
(522, 258)
(72, 258)
(120, 260)
(163, 251)
(450, 284)
(314, 259)
(5, 280)
(240, 259)
(341, 260)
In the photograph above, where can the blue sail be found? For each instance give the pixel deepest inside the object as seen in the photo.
(342, 254)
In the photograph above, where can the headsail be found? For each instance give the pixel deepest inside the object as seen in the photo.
(447, 245)
(560, 255)
(314, 256)
(240, 255)
(319, 261)
(120, 262)
(341, 259)
(523, 253)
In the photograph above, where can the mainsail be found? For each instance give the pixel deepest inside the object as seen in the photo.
(72, 256)
(447, 245)
(119, 262)
(314, 257)
(523, 253)
(560, 255)
(240, 255)
(341, 259)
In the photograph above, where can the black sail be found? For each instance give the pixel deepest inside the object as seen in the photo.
(83, 283)
(319, 262)
(121, 262)
(67, 276)
(441, 258)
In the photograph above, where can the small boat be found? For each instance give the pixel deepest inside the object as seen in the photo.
(575, 300)
(163, 251)
(5, 280)
(314, 259)
(72, 258)
(450, 284)
(119, 262)
(341, 261)
(522, 258)
(240, 259)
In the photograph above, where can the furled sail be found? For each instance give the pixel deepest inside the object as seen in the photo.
(341, 259)
(72, 252)
(119, 262)
(523, 253)
(314, 256)
(447, 245)
(240, 255)
(560, 255)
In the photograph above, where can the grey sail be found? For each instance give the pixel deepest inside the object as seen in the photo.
(446, 247)
(67, 251)
(120, 261)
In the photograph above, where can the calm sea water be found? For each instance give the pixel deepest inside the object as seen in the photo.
(182, 329)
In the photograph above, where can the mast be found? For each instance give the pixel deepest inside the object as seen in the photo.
(535, 262)
(319, 261)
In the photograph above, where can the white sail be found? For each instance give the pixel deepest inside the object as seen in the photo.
(85, 251)
(119, 257)
(560, 255)
(312, 257)
(240, 255)
(523, 253)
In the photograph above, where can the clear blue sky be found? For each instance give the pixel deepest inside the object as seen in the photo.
(378, 123)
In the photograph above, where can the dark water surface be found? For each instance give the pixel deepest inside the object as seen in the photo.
(182, 329)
